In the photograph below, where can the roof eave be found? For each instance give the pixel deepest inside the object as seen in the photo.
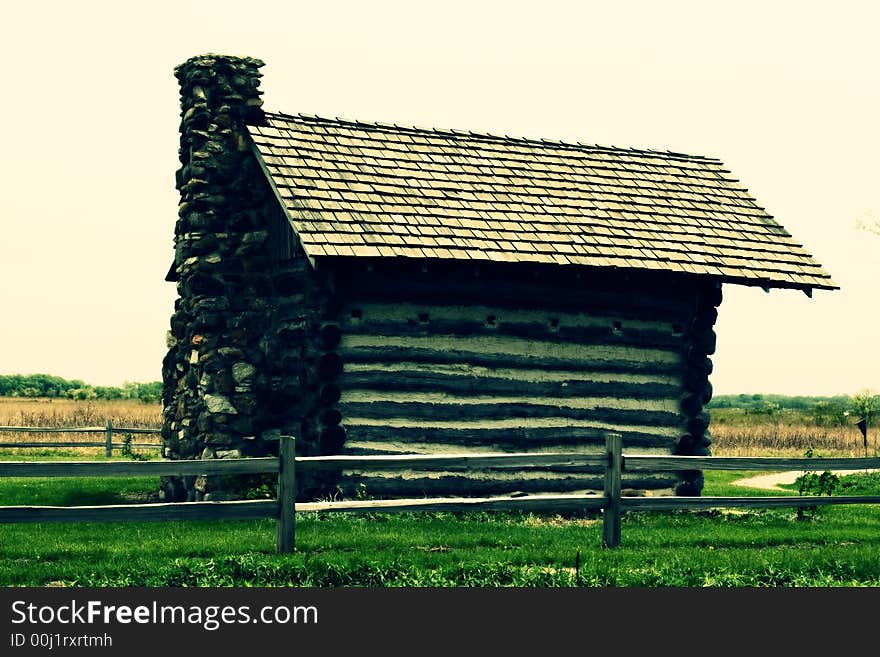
(767, 285)
(764, 284)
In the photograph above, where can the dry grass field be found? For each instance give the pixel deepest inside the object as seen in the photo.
(41, 412)
(17, 411)
(769, 439)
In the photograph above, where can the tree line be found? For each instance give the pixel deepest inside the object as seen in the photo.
(824, 411)
(47, 385)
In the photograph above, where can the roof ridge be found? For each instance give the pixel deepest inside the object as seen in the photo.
(530, 141)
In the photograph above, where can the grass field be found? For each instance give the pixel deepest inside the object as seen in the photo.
(44, 412)
(838, 546)
(735, 433)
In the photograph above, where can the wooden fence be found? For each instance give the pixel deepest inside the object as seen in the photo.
(108, 430)
(284, 508)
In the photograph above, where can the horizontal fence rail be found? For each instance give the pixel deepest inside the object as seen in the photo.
(231, 510)
(612, 503)
(684, 503)
(651, 462)
(108, 430)
(78, 430)
(226, 510)
(259, 465)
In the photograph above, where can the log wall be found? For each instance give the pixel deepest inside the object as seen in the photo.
(442, 363)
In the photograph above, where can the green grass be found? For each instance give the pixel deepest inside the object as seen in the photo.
(837, 547)
(73, 491)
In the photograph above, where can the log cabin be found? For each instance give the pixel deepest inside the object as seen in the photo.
(377, 289)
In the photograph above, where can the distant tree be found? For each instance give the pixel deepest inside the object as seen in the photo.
(829, 412)
(47, 385)
(83, 393)
(865, 404)
(150, 392)
(770, 409)
(108, 392)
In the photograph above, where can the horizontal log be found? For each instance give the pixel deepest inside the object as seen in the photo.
(580, 474)
(233, 510)
(535, 374)
(692, 405)
(330, 335)
(329, 365)
(332, 439)
(415, 314)
(392, 353)
(502, 410)
(489, 471)
(670, 303)
(330, 394)
(505, 437)
(426, 380)
(695, 378)
(137, 468)
(556, 503)
(596, 335)
(374, 484)
(136, 430)
(706, 341)
(773, 463)
(698, 424)
(391, 448)
(451, 462)
(712, 295)
(495, 345)
(353, 396)
(683, 503)
(330, 417)
(707, 393)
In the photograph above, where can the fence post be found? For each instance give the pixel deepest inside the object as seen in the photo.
(108, 440)
(611, 512)
(285, 529)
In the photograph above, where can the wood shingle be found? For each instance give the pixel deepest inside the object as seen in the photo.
(359, 189)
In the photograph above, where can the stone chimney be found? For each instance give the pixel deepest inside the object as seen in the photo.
(213, 374)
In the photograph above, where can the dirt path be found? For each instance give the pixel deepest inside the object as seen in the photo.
(769, 481)
(773, 480)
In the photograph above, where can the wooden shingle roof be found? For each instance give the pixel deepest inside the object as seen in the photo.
(377, 190)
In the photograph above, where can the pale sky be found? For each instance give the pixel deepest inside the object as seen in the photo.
(786, 94)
